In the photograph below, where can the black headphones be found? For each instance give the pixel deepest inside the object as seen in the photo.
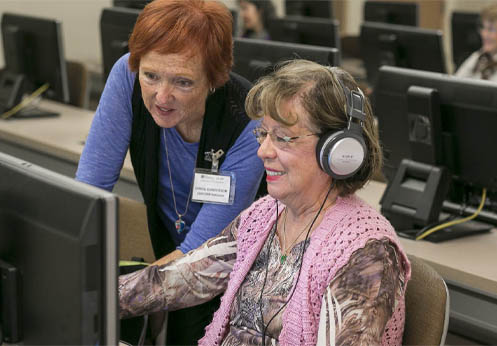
(342, 153)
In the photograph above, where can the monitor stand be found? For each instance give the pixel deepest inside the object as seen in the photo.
(34, 113)
(464, 229)
(12, 88)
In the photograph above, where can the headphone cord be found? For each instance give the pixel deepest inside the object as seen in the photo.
(265, 276)
(301, 260)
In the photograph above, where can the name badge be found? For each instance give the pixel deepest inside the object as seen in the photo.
(213, 187)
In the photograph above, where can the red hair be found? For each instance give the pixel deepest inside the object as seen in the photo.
(186, 26)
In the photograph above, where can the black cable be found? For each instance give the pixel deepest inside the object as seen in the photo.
(433, 224)
(301, 259)
(440, 222)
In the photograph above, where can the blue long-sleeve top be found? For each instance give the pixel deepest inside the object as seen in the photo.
(108, 142)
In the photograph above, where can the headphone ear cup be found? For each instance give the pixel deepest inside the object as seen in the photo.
(341, 154)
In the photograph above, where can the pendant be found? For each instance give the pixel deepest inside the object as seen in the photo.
(282, 259)
(180, 225)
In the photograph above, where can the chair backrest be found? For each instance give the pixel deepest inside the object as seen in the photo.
(77, 76)
(134, 238)
(427, 306)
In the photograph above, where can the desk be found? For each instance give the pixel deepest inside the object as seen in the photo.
(469, 265)
(57, 143)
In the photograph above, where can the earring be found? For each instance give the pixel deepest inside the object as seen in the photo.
(212, 90)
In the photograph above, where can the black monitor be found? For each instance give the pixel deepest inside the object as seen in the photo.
(58, 259)
(255, 58)
(34, 57)
(138, 4)
(116, 25)
(234, 15)
(402, 46)
(465, 36)
(309, 8)
(400, 13)
(443, 121)
(305, 30)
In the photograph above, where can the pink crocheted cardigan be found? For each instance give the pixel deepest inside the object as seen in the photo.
(346, 227)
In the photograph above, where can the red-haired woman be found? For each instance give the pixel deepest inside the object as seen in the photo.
(174, 104)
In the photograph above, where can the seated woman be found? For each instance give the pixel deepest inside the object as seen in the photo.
(311, 262)
(256, 15)
(482, 64)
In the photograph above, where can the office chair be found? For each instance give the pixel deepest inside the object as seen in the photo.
(427, 306)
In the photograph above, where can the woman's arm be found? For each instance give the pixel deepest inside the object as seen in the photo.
(248, 168)
(195, 278)
(362, 297)
(108, 141)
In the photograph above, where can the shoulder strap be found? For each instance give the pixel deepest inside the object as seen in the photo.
(144, 152)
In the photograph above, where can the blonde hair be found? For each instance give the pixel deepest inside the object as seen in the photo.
(323, 98)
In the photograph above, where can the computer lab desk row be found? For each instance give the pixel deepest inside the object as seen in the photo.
(468, 265)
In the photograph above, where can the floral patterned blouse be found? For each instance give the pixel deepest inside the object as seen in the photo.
(357, 304)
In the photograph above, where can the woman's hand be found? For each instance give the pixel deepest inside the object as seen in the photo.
(169, 258)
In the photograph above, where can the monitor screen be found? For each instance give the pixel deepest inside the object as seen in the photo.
(59, 237)
(116, 25)
(465, 36)
(309, 8)
(305, 30)
(33, 49)
(465, 138)
(255, 58)
(139, 4)
(401, 13)
(402, 46)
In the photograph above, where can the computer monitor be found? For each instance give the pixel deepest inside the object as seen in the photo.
(138, 4)
(402, 46)
(443, 121)
(116, 25)
(465, 36)
(58, 259)
(255, 58)
(305, 30)
(309, 8)
(234, 15)
(400, 13)
(34, 56)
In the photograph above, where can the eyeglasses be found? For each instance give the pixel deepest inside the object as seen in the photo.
(279, 140)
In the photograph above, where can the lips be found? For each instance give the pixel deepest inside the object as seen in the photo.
(273, 175)
(164, 111)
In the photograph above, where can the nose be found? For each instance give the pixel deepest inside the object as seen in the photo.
(266, 149)
(164, 92)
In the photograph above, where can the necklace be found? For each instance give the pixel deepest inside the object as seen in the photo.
(179, 224)
(284, 252)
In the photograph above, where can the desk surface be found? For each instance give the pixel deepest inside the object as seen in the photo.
(470, 261)
(61, 136)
